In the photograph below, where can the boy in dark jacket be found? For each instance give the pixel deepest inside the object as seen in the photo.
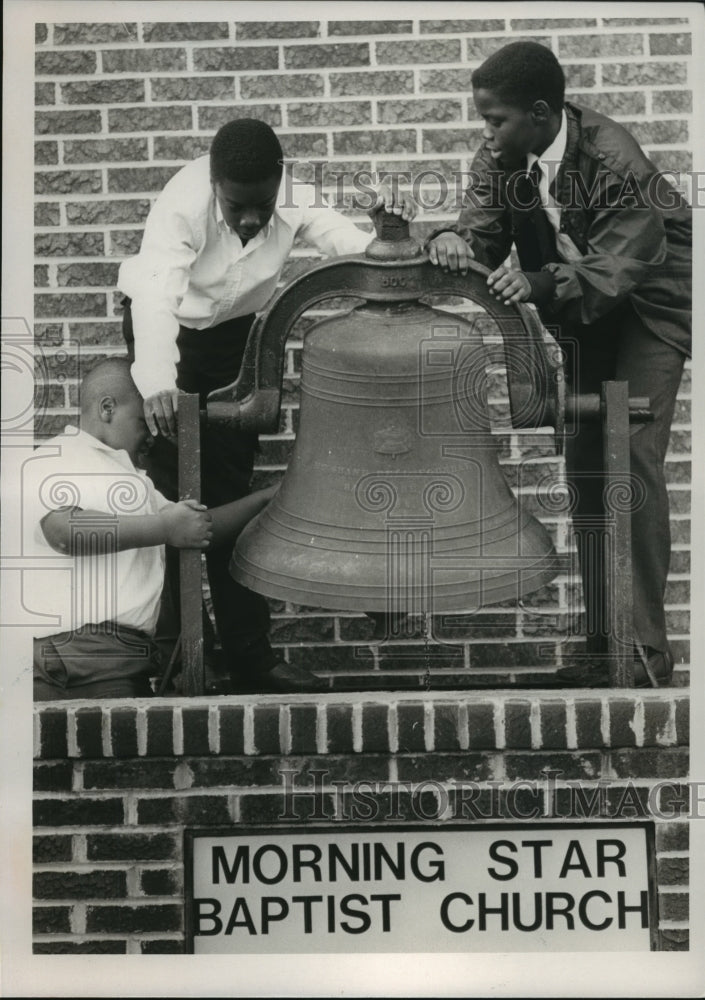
(604, 248)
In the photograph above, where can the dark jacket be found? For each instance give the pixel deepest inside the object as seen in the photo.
(632, 226)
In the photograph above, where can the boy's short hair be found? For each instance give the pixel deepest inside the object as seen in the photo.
(522, 73)
(245, 150)
(110, 375)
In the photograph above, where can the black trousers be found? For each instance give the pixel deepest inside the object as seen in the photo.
(619, 347)
(211, 359)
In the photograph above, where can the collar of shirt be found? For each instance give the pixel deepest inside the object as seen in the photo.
(549, 163)
(263, 233)
(224, 227)
(86, 440)
(550, 160)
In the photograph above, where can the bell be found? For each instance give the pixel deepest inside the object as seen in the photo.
(394, 499)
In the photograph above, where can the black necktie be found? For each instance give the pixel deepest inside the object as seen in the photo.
(534, 236)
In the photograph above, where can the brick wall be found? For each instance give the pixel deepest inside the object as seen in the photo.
(115, 787)
(121, 106)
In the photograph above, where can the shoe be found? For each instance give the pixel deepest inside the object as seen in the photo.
(652, 668)
(585, 675)
(288, 678)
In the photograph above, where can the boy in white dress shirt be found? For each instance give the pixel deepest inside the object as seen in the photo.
(214, 247)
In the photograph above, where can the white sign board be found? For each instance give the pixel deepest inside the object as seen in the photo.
(521, 887)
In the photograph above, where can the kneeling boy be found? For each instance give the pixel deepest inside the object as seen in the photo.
(88, 499)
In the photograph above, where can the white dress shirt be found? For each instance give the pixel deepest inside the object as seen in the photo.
(192, 270)
(76, 470)
(549, 163)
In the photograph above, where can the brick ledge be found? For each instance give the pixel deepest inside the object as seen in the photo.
(384, 722)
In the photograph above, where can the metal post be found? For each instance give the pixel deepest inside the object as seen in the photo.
(189, 443)
(617, 506)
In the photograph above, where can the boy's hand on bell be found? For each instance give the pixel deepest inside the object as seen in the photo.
(508, 285)
(396, 201)
(187, 525)
(160, 411)
(450, 252)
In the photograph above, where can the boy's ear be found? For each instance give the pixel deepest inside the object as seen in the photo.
(540, 112)
(106, 408)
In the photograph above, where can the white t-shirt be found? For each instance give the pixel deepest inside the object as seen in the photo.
(74, 469)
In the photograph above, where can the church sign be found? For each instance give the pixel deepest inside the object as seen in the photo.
(509, 887)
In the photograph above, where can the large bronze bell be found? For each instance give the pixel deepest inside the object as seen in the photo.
(393, 500)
